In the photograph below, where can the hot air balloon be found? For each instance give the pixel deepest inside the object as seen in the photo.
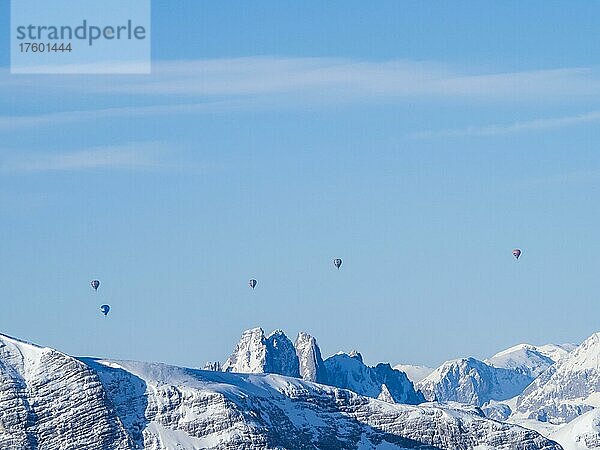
(337, 262)
(105, 309)
(95, 284)
(252, 283)
(516, 253)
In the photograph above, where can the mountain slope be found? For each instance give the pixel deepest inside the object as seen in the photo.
(51, 401)
(556, 352)
(582, 433)
(530, 359)
(524, 358)
(472, 382)
(567, 389)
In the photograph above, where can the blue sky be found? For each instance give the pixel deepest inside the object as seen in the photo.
(419, 141)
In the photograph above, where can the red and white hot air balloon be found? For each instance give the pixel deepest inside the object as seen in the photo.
(516, 253)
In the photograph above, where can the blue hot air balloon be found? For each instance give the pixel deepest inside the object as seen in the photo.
(337, 262)
(105, 309)
(252, 283)
(95, 284)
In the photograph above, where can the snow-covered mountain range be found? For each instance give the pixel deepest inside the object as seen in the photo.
(541, 387)
(272, 393)
(560, 402)
(52, 401)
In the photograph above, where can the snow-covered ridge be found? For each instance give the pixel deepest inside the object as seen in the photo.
(567, 389)
(472, 382)
(529, 359)
(50, 400)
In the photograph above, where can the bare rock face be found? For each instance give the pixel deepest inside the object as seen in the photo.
(51, 401)
(281, 355)
(311, 363)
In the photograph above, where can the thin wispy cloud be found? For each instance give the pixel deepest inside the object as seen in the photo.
(250, 83)
(15, 122)
(145, 155)
(512, 128)
(342, 78)
(333, 77)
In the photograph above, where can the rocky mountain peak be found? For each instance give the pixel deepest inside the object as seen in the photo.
(250, 354)
(309, 358)
(257, 353)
